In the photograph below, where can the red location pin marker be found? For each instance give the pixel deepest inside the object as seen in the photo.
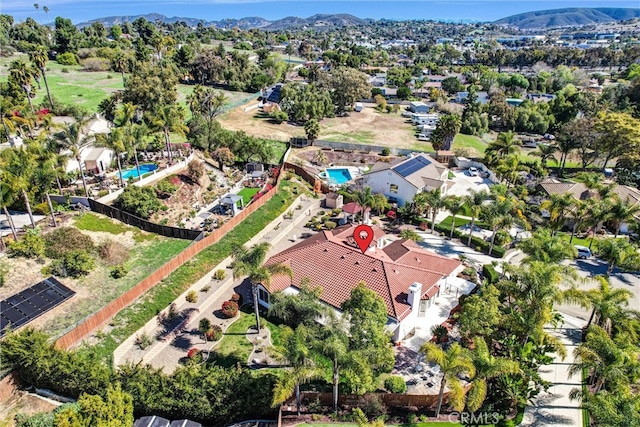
(363, 235)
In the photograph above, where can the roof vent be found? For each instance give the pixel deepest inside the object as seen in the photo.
(357, 262)
(342, 257)
(375, 270)
(325, 250)
(418, 260)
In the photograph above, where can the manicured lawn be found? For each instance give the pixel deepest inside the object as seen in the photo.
(247, 194)
(576, 240)
(459, 222)
(135, 316)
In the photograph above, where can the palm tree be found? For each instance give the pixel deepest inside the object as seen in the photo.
(608, 305)
(410, 235)
(455, 205)
(475, 200)
(7, 197)
(579, 213)
(505, 145)
(545, 247)
(18, 166)
(134, 136)
(115, 141)
(167, 119)
(453, 362)
(126, 114)
(558, 206)
(204, 326)
(545, 152)
(22, 74)
(73, 138)
(333, 343)
(617, 252)
(39, 58)
(365, 200)
(380, 203)
(487, 367)
(446, 130)
(623, 211)
(249, 262)
(297, 353)
(435, 201)
(120, 65)
(599, 210)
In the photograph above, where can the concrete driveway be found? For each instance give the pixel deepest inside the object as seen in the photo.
(463, 182)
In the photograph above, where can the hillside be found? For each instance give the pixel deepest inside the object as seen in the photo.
(568, 17)
(321, 20)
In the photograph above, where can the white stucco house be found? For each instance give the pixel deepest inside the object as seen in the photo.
(407, 277)
(400, 181)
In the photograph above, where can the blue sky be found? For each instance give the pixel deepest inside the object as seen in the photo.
(482, 10)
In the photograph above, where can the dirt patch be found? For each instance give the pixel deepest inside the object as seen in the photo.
(23, 403)
(368, 127)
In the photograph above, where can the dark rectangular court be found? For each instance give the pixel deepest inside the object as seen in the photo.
(23, 307)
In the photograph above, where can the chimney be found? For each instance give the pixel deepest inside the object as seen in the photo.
(415, 292)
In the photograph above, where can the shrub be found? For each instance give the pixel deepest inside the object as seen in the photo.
(229, 309)
(113, 253)
(139, 201)
(330, 225)
(279, 117)
(214, 333)
(490, 273)
(67, 58)
(372, 406)
(440, 332)
(31, 245)
(96, 64)
(195, 170)
(220, 274)
(119, 271)
(395, 384)
(385, 152)
(165, 188)
(192, 297)
(73, 264)
(143, 341)
(63, 240)
(194, 354)
(205, 288)
(4, 270)
(237, 298)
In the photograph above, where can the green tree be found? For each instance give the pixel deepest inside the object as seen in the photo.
(435, 201)
(223, 156)
(505, 144)
(619, 133)
(559, 207)
(67, 36)
(249, 262)
(480, 314)
(475, 200)
(73, 138)
(455, 205)
(23, 75)
(303, 308)
(312, 129)
(38, 57)
(453, 362)
(139, 201)
(409, 234)
(348, 86)
(623, 211)
(167, 119)
(446, 130)
(333, 343)
(452, 85)
(543, 246)
(135, 136)
(487, 366)
(618, 253)
(114, 140)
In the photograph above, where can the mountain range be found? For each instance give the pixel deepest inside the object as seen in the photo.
(319, 20)
(569, 17)
(539, 19)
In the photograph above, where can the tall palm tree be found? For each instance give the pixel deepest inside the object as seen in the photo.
(599, 210)
(22, 74)
(39, 58)
(487, 367)
(435, 201)
(505, 144)
(114, 140)
(134, 136)
(618, 253)
(453, 362)
(7, 197)
(456, 206)
(73, 138)
(579, 212)
(623, 211)
(120, 64)
(558, 206)
(126, 114)
(545, 152)
(364, 198)
(545, 247)
(608, 305)
(475, 200)
(333, 343)
(249, 262)
(18, 166)
(297, 353)
(380, 203)
(167, 119)
(446, 130)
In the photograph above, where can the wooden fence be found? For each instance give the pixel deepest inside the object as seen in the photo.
(101, 317)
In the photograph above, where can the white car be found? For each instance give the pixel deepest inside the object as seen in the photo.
(473, 171)
(423, 137)
(583, 251)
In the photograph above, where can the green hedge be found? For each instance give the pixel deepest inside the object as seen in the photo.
(476, 242)
(490, 273)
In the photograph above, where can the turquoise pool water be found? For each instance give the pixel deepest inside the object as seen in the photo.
(338, 175)
(144, 168)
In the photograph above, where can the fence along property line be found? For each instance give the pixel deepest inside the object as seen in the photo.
(104, 315)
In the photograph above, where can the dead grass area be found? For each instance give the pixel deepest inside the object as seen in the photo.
(22, 402)
(367, 127)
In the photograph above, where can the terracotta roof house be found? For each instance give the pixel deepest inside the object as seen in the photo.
(401, 181)
(406, 276)
(580, 192)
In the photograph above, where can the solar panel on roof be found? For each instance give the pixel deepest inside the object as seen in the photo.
(23, 307)
(411, 166)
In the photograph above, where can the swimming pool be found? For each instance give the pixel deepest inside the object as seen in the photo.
(144, 169)
(338, 175)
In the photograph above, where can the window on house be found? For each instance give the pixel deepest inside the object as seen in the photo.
(393, 188)
(422, 309)
(263, 295)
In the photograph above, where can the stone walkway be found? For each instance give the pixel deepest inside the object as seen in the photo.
(168, 354)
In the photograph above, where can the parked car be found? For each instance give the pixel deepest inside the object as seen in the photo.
(423, 137)
(473, 171)
(583, 251)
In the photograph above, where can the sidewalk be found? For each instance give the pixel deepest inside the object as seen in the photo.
(554, 408)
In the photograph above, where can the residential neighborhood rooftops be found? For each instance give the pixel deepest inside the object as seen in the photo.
(331, 260)
(581, 192)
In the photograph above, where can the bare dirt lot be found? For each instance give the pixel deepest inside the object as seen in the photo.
(367, 127)
(23, 403)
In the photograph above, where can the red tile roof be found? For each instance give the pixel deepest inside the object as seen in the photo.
(331, 260)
